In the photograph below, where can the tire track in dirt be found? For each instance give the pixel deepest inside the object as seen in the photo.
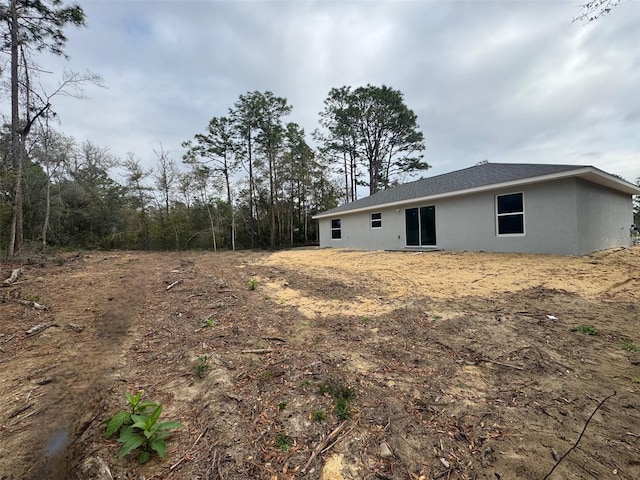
(104, 298)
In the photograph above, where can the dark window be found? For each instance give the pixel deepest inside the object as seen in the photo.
(510, 212)
(376, 220)
(336, 231)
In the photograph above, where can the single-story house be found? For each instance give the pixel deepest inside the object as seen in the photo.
(497, 207)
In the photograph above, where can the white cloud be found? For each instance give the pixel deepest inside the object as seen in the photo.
(503, 81)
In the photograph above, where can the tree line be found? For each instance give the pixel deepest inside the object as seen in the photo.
(250, 179)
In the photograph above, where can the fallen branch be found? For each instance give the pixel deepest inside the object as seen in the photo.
(14, 276)
(259, 350)
(177, 282)
(275, 339)
(580, 437)
(323, 444)
(501, 364)
(40, 328)
(36, 305)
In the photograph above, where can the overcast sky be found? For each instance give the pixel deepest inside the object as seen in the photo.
(512, 81)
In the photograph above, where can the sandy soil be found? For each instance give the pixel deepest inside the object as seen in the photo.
(459, 365)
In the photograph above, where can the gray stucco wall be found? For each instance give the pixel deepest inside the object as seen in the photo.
(566, 217)
(604, 218)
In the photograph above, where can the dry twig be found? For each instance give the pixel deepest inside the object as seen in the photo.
(484, 359)
(580, 437)
(323, 444)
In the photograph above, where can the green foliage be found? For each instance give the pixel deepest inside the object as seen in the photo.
(371, 127)
(283, 442)
(318, 416)
(139, 428)
(342, 397)
(203, 366)
(209, 322)
(282, 405)
(125, 417)
(632, 347)
(585, 330)
(253, 284)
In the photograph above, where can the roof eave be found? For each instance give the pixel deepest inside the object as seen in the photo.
(592, 174)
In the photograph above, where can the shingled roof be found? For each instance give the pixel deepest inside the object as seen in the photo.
(479, 177)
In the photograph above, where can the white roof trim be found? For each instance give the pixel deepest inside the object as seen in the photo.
(591, 174)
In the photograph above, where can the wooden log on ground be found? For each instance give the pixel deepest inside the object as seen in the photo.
(14, 276)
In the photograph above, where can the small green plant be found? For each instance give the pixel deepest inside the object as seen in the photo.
(632, 347)
(318, 416)
(585, 330)
(146, 433)
(635, 379)
(366, 319)
(253, 284)
(342, 397)
(282, 301)
(282, 405)
(125, 417)
(436, 317)
(267, 297)
(139, 428)
(208, 322)
(283, 442)
(203, 366)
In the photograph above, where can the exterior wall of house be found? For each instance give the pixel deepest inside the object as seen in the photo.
(566, 217)
(357, 232)
(604, 218)
(470, 222)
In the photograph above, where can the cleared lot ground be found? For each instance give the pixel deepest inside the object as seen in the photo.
(433, 365)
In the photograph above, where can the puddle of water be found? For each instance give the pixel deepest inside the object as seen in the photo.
(57, 442)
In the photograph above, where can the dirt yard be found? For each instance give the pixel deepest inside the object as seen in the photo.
(339, 365)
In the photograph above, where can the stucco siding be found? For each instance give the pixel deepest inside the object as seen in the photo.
(357, 232)
(568, 216)
(469, 223)
(604, 218)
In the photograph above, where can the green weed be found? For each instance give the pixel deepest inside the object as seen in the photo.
(342, 397)
(318, 416)
(632, 347)
(585, 330)
(147, 434)
(139, 428)
(282, 405)
(203, 366)
(209, 322)
(253, 284)
(635, 379)
(283, 442)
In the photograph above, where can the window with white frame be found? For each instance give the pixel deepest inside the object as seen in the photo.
(336, 230)
(510, 214)
(376, 220)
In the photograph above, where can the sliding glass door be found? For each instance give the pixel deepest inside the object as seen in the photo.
(420, 224)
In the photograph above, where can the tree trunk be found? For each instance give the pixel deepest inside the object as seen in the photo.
(47, 211)
(15, 230)
(231, 210)
(271, 201)
(251, 218)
